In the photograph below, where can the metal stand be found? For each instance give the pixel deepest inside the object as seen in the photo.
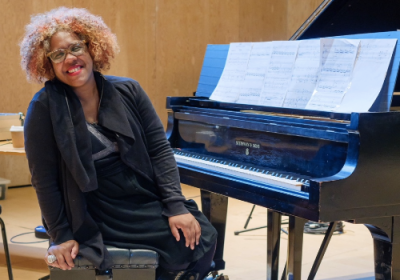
(6, 252)
(322, 250)
(251, 229)
(247, 223)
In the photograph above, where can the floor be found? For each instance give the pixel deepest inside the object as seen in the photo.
(349, 256)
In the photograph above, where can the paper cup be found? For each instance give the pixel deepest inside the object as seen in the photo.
(17, 136)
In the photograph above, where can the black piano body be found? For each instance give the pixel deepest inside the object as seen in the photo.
(310, 165)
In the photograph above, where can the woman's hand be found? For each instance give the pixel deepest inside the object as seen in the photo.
(189, 226)
(65, 253)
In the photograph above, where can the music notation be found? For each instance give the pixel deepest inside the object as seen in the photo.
(227, 89)
(279, 73)
(259, 60)
(304, 76)
(371, 65)
(336, 67)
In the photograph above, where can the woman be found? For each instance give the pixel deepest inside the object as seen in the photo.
(102, 168)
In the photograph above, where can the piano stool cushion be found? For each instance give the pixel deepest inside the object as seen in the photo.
(132, 264)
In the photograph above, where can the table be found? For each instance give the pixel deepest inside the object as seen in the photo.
(6, 148)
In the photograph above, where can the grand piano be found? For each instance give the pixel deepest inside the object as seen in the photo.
(309, 165)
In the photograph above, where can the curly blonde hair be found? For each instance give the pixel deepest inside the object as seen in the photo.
(102, 43)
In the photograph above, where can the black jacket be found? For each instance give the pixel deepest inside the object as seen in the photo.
(58, 148)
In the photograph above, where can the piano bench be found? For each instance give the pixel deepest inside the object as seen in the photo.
(129, 264)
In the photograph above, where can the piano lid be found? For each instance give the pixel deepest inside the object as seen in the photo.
(344, 17)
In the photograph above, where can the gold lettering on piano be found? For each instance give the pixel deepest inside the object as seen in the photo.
(247, 144)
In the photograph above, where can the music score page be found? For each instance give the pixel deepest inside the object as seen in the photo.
(304, 76)
(369, 74)
(234, 73)
(279, 72)
(336, 68)
(259, 60)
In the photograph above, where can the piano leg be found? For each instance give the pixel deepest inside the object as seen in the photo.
(386, 235)
(295, 248)
(215, 207)
(273, 244)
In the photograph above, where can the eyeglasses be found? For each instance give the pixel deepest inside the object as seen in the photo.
(59, 55)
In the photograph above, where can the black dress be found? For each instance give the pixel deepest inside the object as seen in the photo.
(128, 210)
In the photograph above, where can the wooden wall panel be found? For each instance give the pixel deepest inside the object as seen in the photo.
(262, 20)
(221, 23)
(178, 34)
(15, 94)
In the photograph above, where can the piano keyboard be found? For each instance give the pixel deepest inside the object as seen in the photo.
(241, 170)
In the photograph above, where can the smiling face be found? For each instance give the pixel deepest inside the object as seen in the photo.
(75, 71)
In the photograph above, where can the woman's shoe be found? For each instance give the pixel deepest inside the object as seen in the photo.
(181, 275)
(212, 276)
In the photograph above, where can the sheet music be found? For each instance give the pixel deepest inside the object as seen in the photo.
(279, 73)
(255, 73)
(305, 74)
(337, 64)
(227, 89)
(369, 73)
